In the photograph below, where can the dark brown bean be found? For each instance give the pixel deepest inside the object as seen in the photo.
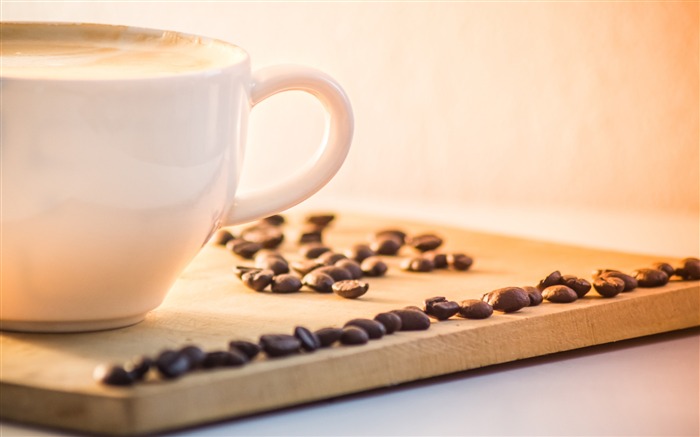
(507, 299)
(386, 245)
(391, 321)
(460, 261)
(271, 262)
(417, 264)
(313, 250)
(689, 270)
(412, 320)
(553, 278)
(279, 345)
(425, 242)
(222, 236)
(241, 270)
(534, 294)
(322, 220)
(359, 252)
(608, 286)
(374, 266)
(337, 273)
(257, 279)
(354, 336)
(439, 259)
(274, 220)
(269, 237)
(309, 341)
(475, 309)
(286, 283)
(138, 367)
(249, 349)
(319, 281)
(374, 329)
(328, 336)
(630, 281)
(664, 267)
(243, 248)
(396, 234)
(648, 278)
(350, 289)
(229, 358)
(559, 294)
(304, 267)
(579, 285)
(112, 374)
(172, 364)
(330, 258)
(440, 308)
(351, 266)
(311, 234)
(195, 355)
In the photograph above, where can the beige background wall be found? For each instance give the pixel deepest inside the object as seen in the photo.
(574, 122)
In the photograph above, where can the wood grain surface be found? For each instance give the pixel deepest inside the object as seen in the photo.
(47, 378)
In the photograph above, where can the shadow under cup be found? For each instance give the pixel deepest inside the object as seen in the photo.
(121, 154)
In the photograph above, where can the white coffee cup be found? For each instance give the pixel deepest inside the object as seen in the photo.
(121, 154)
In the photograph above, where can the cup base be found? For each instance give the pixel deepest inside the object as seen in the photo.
(70, 326)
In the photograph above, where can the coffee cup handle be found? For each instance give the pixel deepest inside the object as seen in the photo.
(254, 204)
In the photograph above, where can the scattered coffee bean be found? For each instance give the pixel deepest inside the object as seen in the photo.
(304, 267)
(321, 220)
(664, 267)
(412, 320)
(351, 266)
(243, 248)
(275, 263)
(507, 299)
(559, 294)
(138, 367)
(417, 264)
(689, 270)
(309, 341)
(330, 258)
(396, 234)
(269, 237)
(534, 294)
(335, 272)
(425, 242)
(257, 279)
(630, 281)
(286, 283)
(374, 266)
(651, 278)
(350, 288)
(475, 309)
(440, 308)
(279, 345)
(460, 261)
(274, 220)
(194, 354)
(311, 233)
(172, 364)
(579, 285)
(359, 252)
(241, 270)
(439, 259)
(608, 286)
(391, 321)
(229, 358)
(112, 374)
(247, 348)
(386, 245)
(313, 250)
(222, 236)
(328, 336)
(354, 336)
(319, 281)
(375, 330)
(553, 278)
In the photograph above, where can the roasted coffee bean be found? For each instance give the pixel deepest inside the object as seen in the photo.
(689, 270)
(460, 261)
(286, 283)
(274, 220)
(374, 329)
(229, 358)
(440, 308)
(243, 248)
(648, 278)
(172, 364)
(664, 267)
(139, 367)
(396, 234)
(425, 242)
(350, 288)
(247, 348)
(313, 250)
(309, 341)
(279, 345)
(475, 309)
(507, 299)
(195, 355)
(276, 264)
(241, 270)
(354, 336)
(311, 234)
(534, 294)
(559, 294)
(579, 285)
(112, 374)
(304, 267)
(374, 266)
(439, 259)
(608, 286)
(322, 220)
(629, 280)
(330, 258)
(417, 264)
(337, 273)
(258, 279)
(412, 320)
(391, 321)
(269, 237)
(386, 245)
(351, 266)
(359, 252)
(328, 336)
(553, 278)
(319, 281)
(222, 236)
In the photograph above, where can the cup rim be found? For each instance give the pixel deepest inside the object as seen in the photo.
(238, 57)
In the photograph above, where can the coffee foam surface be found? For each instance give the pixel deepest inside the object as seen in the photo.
(87, 51)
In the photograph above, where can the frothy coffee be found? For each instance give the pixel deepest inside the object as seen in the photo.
(88, 51)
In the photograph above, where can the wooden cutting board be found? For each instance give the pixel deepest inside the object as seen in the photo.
(47, 378)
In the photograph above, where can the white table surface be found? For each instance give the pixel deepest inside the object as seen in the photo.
(646, 386)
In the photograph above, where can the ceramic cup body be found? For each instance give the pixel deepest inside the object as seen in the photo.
(111, 185)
